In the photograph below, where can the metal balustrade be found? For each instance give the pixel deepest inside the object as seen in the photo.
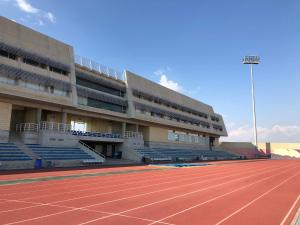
(90, 64)
(132, 134)
(43, 125)
(27, 127)
(62, 127)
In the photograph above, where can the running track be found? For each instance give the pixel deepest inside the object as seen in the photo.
(247, 193)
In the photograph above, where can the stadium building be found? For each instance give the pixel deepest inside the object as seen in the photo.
(67, 110)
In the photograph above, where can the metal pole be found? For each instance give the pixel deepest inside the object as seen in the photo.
(253, 106)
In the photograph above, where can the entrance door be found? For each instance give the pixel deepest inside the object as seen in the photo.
(211, 142)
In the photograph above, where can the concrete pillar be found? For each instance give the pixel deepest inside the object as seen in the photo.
(64, 117)
(136, 128)
(38, 115)
(123, 128)
(5, 117)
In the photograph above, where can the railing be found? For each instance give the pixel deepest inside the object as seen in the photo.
(27, 127)
(90, 148)
(132, 134)
(35, 127)
(96, 134)
(85, 62)
(44, 125)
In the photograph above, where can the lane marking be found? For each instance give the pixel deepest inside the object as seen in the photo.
(178, 196)
(133, 196)
(256, 199)
(171, 178)
(290, 211)
(127, 210)
(220, 196)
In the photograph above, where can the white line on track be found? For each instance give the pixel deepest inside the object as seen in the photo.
(220, 196)
(256, 199)
(119, 214)
(178, 196)
(128, 197)
(129, 183)
(290, 211)
(189, 177)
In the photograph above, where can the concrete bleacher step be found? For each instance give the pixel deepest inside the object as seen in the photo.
(59, 152)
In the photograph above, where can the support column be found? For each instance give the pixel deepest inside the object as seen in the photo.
(5, 117)
(136, 128)
(64, 117)
(123, 128)
(38, 115)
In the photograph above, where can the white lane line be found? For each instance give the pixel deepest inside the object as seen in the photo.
(128, 197)
(290, 211)
(256, 199)
(74, 182)
(182, 195)
(129, 183)
(48, 215)
(91, 182)
(220, 196)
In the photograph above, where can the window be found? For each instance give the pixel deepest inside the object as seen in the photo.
(34, 63)
(78, 126)
(105, 105)
(57, 70)
(99, 87)
(8, 55)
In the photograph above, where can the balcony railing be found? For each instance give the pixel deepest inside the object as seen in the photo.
(27, 127)
(132, 134)
(90, 64)
(43, 125)
(96, 134)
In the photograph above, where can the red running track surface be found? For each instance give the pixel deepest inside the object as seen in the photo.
(262, 192)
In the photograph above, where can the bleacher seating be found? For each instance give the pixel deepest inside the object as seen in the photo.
(96, 134)
(59, 153)
(153, 155)
(10, 152)
(184, 154)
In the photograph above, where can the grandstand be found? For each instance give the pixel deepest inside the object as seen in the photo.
(69, 111)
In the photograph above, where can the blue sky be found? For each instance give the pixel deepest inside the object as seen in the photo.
(194, 47)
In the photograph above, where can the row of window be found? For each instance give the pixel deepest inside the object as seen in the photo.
(169, 104)
(214, 118)
(96, 103)
(217, 127)
(33, 62)
(33, 86)
(99, 87)
(173, 118)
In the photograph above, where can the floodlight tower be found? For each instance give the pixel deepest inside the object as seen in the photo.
(252, 60)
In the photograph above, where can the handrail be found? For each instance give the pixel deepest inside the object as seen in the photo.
(88, 63)
(28, 127)
(133, 134)
(44, 125)
(90, 148)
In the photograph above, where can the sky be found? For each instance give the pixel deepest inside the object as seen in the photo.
(192, 46)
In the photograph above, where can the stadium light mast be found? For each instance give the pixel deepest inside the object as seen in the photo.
(252, 60)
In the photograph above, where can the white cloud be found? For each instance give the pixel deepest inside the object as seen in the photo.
(50, 17)
(276, 133)
(34, 15)
(164, 81)
(26, 7)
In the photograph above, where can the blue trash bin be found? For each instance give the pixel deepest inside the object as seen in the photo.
(38, 164)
